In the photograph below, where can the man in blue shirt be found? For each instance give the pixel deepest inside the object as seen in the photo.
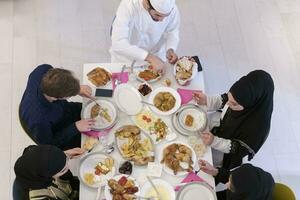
(44, 110)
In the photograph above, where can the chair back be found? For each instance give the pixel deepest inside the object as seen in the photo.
(283, 192)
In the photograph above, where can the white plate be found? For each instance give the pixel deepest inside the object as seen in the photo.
(195, 190)
(165, 89)
(87, 165)
(167, 169)
(128, 99)
(100, 123)
(199, 116)
(159, 183)
(103, 86)
(138, 70)
(143, 135)
(176, 124)
(107, 194)
(171, 135)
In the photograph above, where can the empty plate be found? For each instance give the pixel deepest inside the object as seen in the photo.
(196, 190)
(128, 99)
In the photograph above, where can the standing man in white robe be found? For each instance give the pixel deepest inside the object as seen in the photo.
(146, 30)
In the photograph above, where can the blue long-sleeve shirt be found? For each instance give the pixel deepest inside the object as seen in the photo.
(49, 122)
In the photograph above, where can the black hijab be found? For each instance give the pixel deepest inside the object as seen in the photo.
(251, 183)
(251, 125)
(35, 168)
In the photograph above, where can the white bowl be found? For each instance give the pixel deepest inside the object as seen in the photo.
(165, 89)
(187, 81)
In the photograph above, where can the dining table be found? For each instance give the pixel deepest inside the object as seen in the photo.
(140, 172)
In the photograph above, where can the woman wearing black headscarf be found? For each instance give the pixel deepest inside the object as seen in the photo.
(245, 119)
(42, 172)
(246, 182)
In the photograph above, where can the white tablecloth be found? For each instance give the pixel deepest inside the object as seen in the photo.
(87, 193)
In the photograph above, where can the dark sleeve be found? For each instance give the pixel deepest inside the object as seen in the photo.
(72, 110)
(44, 134)
(238, 148)
(222, 176)
(224, 99)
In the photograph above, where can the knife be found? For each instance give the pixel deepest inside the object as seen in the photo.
(154, 187)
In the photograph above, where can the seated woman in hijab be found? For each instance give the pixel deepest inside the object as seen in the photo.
(42, 172)
(241, 121)
(246, 182)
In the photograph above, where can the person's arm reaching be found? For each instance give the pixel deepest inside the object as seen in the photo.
(44, 134)
(220, 174)
(120, 34)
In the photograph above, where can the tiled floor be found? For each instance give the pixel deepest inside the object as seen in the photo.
(231, 37)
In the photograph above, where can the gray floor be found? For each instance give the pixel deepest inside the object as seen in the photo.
(232, 37)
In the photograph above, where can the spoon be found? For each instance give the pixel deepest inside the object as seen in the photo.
(145, 102)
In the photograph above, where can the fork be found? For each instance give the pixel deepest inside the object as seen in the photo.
(118, 80)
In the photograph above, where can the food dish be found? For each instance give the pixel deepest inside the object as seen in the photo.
(95, 168)
(99, 76)
(146, 73)
(189, 120)
(145, 89)
(121, 188)
(145, 120)
(192, 119)
(160, 129)
(126, 168)
(134, 146)
(167, 82)
(105, 115)
(128, 99)
(166, 100)
(178, 158)
(154, 126)
(89, 143)
(185, 70)
(194, 190)
(165, 190)
(102, 112)
(199, 119)
(197, 144)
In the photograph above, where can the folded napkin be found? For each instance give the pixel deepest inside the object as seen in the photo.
(191, 177)
(186, 95)
(123, 77)
(97, 134)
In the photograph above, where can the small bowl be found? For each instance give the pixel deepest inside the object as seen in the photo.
(145, 83)
(187, 81)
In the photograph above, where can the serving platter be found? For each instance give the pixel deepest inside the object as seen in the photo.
(147, 148)
(146, 120)
(170, 171)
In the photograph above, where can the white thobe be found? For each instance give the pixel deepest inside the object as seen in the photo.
(135, 33)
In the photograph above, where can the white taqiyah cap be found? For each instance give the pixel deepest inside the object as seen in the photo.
(163, 6)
